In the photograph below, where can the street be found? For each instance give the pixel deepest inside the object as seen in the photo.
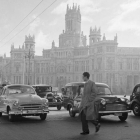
(59, 126)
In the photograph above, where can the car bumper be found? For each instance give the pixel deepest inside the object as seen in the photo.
(76, 110)
(27, 112)
(55, 103)
(111, 112)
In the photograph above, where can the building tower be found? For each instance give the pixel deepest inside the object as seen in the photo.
(73, 19)
(95, 35)
(72, 36)
(29, 43)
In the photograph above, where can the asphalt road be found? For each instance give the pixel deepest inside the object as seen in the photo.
(59, 126)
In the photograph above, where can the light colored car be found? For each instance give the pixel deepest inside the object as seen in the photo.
(22, 100)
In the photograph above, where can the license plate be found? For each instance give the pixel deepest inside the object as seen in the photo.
(118, 114)
(50, 98)
(34, 111)
(24, 112)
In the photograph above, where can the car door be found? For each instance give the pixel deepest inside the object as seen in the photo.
(66, 96)
(137, 93)
(2, 100)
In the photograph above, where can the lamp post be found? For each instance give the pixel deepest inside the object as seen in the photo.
(29, 55)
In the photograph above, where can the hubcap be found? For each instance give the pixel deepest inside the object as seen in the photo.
(136, 109)
(71, 111)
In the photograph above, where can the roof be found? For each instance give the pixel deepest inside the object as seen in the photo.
(82, 83)
(41, 85)
(17, 85)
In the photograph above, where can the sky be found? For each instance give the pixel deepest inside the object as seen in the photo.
(112, 16)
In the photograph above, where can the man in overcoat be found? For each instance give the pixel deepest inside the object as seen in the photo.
(88, 106)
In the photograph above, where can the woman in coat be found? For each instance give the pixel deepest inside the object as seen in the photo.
(88, 107)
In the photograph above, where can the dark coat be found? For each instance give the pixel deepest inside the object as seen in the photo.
(88, 103)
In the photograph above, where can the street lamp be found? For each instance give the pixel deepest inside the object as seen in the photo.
(29, 55)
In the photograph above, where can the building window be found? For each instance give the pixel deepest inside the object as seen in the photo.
(110, 63)
(129, 64)
(110, 48)
(76, 66)
(38, 68)
(99, 49)
(92, 64)
(136, 64)
(99, 63)
(120, 65)
(87, 65)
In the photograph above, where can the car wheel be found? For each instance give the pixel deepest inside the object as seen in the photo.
(136, 109)
(43, 116)
(11, 117)
(71, 113)
(58, 106)
(123, 117)
(0, 114)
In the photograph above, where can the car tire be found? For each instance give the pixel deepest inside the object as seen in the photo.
(123, 117)
(0, 114)
(43, 116)
(58, 106)
(71, 113)
(11, 117)
(136, 109)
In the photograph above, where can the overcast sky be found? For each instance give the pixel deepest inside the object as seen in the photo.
(113, 16)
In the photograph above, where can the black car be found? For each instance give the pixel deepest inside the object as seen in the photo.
(45, 91)
(109, 104)
(54, 100)
(135, 100)
(42, 90)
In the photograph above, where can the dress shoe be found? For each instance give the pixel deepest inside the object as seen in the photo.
(84, 133)
(97, 127)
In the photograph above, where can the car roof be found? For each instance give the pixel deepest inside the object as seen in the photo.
(17, 85)
(41, 85)
(82, 83)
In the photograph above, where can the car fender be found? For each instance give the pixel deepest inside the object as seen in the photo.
(68, 105)
(134, 101)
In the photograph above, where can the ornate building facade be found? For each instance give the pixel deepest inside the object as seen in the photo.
(119, 67)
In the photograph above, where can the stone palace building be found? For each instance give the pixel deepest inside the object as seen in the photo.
(119, 67)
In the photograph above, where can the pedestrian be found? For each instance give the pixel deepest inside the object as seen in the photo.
(88, 110)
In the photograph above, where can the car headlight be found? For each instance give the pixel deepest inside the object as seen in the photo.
(122, 99)
(127, 101)
(103, 101)
(15, 103)
(46, 102)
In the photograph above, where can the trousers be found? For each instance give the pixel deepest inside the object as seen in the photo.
(85, 127)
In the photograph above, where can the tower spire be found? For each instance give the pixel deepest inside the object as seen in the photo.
(67, 7)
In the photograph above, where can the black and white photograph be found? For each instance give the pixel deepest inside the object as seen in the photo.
(69, 69)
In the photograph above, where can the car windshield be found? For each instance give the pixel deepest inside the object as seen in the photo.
(103, 90)
(20, 90)
(40, 89)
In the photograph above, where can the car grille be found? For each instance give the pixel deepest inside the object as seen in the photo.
(30, 106)
(50, 100)
(115, 107)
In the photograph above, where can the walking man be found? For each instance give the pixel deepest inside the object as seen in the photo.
(88, 110)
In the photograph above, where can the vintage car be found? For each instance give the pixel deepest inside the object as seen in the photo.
(22, 100)
(45, 91)
(135, 100)
(54, 100)
(108, 104)
(42, 89)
